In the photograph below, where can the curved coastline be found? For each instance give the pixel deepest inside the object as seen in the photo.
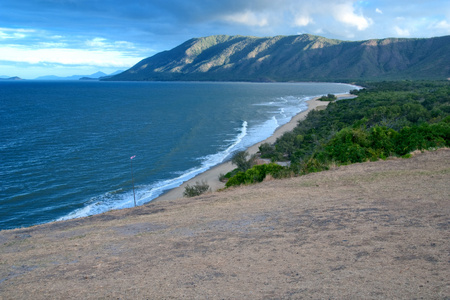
(174, 188)
(211, 176)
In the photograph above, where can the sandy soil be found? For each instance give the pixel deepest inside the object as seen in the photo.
(211, 176)
(377, 230)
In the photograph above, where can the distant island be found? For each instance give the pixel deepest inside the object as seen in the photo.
(10, 78)
(295, 58)
(94, 76)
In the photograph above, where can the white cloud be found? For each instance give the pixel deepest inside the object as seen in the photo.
(96, 43)
(318, 31)
(248, 18)
(124, 44)
(32, 52)
(52, 45)
(401, 32)
(326, 13)
(345, 13)
(11, 33)
(67, 56)
(104, 44)
(303, 20)
(379, 11)
(442, 25)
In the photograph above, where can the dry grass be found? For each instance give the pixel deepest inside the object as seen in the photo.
(377, 230)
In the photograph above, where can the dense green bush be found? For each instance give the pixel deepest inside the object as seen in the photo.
(329, 97)
(257, 174)
(387, 118)
(316, 163)
(423, 136)
(352, 145)
(382, 141)
(348, 145)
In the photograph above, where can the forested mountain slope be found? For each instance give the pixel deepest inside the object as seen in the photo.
(296, 58)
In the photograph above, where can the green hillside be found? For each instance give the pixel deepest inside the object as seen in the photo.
(296, 58)
(386, 119)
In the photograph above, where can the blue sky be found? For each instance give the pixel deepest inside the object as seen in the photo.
(78, 37)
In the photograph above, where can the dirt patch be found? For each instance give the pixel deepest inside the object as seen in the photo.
(368, 231)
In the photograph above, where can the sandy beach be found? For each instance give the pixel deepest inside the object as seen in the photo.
(211, 176)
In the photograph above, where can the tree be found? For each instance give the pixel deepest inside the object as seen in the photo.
(241, 161)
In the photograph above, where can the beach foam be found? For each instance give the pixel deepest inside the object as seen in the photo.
(248, 135)
(144, 194)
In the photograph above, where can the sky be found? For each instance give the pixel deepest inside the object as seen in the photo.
(81, 37)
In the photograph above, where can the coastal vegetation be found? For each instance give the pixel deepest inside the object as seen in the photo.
(329, 97)
(386, 119)
(241, 160)
(257, 174)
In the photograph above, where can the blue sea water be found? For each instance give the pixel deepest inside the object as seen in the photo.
(65, 147)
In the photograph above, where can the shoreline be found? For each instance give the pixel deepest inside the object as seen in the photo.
(211, 176)
(352, 230)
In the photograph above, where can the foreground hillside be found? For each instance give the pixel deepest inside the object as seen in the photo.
(375, 230)
(296, 58)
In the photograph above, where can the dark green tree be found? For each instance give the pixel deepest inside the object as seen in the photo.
(241, 161)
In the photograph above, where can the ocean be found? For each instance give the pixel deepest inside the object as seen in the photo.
(65, 147)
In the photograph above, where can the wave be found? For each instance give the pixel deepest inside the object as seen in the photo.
(246, 137)
(144, 194)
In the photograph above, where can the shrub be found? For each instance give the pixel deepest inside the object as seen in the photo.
(196, 190)
(329, 97)
(382, 140)
(231, 173)
(237, 179)
(257, 174)
(424, 136)
(348, 146)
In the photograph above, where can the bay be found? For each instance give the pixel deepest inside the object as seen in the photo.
(65, 147)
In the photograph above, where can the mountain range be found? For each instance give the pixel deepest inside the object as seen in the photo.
(94, 76)
(4, 77)
(296, 58)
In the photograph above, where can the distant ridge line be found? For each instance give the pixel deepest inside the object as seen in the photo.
(295, 58)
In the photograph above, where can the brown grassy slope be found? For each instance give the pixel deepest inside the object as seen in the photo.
(373, 230)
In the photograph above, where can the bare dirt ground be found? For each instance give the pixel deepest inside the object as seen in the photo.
(377, 230)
